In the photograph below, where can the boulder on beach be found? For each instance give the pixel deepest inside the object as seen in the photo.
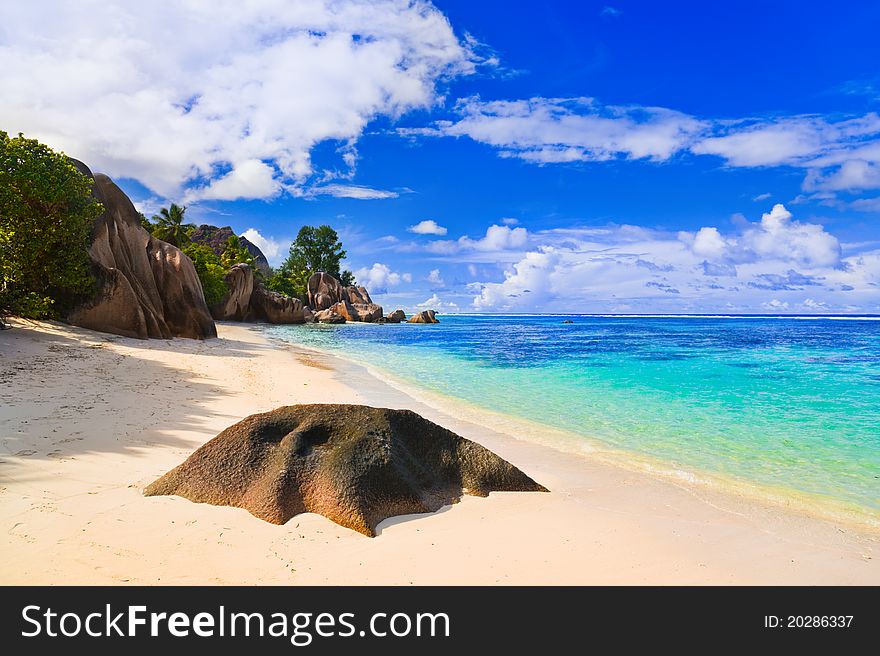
(328, 316)
(247, 300)
(324, 291)
(357, 295)
(366, 312)
(425, 316)
(236, 305)
(145, 286)
(273, 307)
(397, 316)
(354, 464)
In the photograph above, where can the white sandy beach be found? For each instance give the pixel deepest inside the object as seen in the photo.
(87, 420)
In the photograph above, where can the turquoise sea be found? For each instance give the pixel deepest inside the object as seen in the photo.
(783, 402)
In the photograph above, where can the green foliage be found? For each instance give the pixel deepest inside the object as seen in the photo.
(211, 272)
(169, 225)
(146, 224)
(234, 253)
(313, 250)
(289, 283)
(46, 217)
(346, 278)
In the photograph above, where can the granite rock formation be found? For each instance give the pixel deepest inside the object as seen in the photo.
(145, 286)
(236, 306)
(354, 464)
(329, 316)
(324, 291)
(425, 316)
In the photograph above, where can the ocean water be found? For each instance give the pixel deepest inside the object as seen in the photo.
(788, 403)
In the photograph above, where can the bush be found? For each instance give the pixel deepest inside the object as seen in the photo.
(210, 271)
(46, 217)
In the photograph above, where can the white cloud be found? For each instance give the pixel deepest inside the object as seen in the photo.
(709, 243)
(794, 140)
(435, 278)
(178, 94)
(811, 304)
(497, 238)
(274, 250)
(837, 154)
(436, 303)
(761, 197)
(553, 130)
(358, 192)
(427, 227)
(510, 221)
(775, 236)
(379, 277)
(625, 268)
(249, 179)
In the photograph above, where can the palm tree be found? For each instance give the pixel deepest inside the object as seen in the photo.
(170, 226)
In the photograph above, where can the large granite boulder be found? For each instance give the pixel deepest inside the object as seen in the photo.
(273, 307)
(145, 287)
(236, 306)
(366, 312)
(425, 316)
(324, 291)
(357, 295)
(328, 316)
(396, 317)
(353, 464)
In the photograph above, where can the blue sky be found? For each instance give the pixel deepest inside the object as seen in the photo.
(492, 156)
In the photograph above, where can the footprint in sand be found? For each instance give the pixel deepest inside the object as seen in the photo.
(25, 452)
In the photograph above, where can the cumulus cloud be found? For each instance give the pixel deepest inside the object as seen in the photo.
(249, 179)
(436, 279)
(436, 303)
(629, 269)
(776, 236)
(497, 238)
(379, 277)
(225, 98)
(273, 249)
(427, 227)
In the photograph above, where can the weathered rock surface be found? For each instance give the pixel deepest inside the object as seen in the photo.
(248, 300)
(397, 316)
(425, 316)
(324, 291)
(367, 312)
(237, 304)
(276, 308)
(329, 316)
(145, 287)
(357, 295)
(353, 464)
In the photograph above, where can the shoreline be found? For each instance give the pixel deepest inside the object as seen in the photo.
(447, 407)
(90, 419)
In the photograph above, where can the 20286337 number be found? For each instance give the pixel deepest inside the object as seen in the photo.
(808, 621)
